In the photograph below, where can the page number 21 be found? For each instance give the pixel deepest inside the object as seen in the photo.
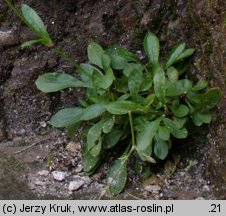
(215, 208)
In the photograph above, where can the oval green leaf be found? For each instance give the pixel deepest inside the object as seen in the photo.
(180, 111)
(160, 84)
(117, 176)
(175, 53)
(200, 85)
(135, 80)
(152, 47)
(161, 148)
(94, 141)
(112, 138)
(185, 54)
(35, 23)
(67, 117)
(123, 107)
(95, 53)
(53, 82)
(93, 111)
(145, 136)
(163, 133)
(90, 163)
(174, 130)
(200, 118)
(109, 124)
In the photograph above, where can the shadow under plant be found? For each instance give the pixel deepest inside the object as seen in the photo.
(25, 111)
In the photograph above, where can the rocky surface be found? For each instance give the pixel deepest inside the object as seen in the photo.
(199, 173)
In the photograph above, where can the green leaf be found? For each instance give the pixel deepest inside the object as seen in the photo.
(180, 122)
(135, 80)
(89, 70)
(160, 84)
(145, 155)
(112, 138)
(95, 53)
(67, 117)
(124, 97)
(117, 62)
(149, 100)
(35, 23)
(123, 107)
(106, 62)
(30, 43)
(200, 118)
(94, 141)
(178, 88)
(164, 133)
(200, 85)
(117, 176)
(151, 46)
(211, 98)
(109, 124)
(103, 81)
(180, 111)
(127, 69)
(185, 54)
(142, 169)
(174, 130)
(121, 85)
(206, 101)
(123, 53)
(147, 82)
(52, 82)
(161, 148)
(90, 163)
(172, 74)
(93, 111)
(175, 53)
(33, 19)
(145, 137)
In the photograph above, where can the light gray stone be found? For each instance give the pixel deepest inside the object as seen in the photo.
(75, 185)
(58, 175)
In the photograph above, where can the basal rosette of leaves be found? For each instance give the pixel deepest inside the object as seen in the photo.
(135, 105)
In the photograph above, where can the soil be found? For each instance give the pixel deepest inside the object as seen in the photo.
(196, 168)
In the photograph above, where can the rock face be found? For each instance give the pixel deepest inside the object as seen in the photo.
(200, 24)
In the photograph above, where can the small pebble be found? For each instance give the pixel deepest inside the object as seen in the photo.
(43, 172)
(73, 147)
(79, 168)
(75, 185)
(206, 188)
(153, 188)
(43, 124)
(40, 183)
(58, 175)
(86, 179)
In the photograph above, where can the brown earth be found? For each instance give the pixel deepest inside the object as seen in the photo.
(24, 110)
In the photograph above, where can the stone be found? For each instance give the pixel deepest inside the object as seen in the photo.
(73, 147)
(43, 124)
(153, 188)
(40, 183)
(8, 37)
(79, 168)
(58, 175)
(75, 185)
(43, 172)
(86, 179)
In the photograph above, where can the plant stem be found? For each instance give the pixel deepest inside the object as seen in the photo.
(71, 61)
(132, 129)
